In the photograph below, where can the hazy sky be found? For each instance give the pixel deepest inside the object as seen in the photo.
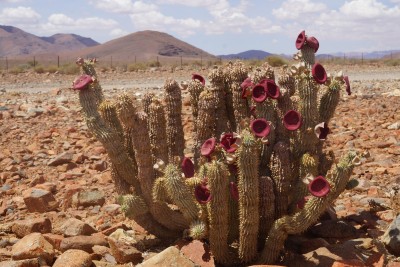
(218, 26)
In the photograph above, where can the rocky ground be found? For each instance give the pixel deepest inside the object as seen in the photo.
(57, 201)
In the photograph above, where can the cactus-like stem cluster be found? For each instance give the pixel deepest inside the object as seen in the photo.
(258, 172)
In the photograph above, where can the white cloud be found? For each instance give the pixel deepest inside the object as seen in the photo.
(118, 32)
(298, 9)
(61, 22)
(155, 20)
(123, 6)
(19, 16)
(371, 21)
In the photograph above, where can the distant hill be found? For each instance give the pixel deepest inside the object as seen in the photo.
(16, 42)
(143, 45)
(250, 54)
(368, 55)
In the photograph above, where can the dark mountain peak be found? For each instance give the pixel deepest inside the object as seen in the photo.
(249, 54)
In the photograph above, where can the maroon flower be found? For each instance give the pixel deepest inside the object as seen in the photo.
(301, 38)
(313, 43)
(198, 77)
(202, 194)
(259, 93)
(347, 82)
(292, 120)
(322, 130)
(187, 167)
(245, 85)
(208, 147)
(234, 190)
(319, 73)
(228, 142)
(260, 127)
(272, 89)
(81, 82)
(319, 187)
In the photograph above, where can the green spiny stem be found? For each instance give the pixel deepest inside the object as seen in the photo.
(329, 101)
(146, 102)
(88, 68)
(308, 108)
(180, 193)
(238, 74)
(267, 208)
(122, 187)
(159, 191)
(195, 88)
(218, 211)
(300, 221)
(282, 176)
(326, 161)
(217, 78)
(110, 139)
(288, 83)
(109, 113)
(205, 121)
(268, 111)
(308, 55)
(141, 143)
(248, 185)
(157, 132)
(308, 166)
(173, 110)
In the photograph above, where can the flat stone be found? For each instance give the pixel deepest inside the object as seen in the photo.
(198, 252)
(25, 227)
(74, 227)
(39, 200)
(33, 246)
(391, 238)
(123, 252)
(73, 258)
(60, 159)
(54, 240)
(83, 242)
(170, 256)
(21, 263)
(88, 198)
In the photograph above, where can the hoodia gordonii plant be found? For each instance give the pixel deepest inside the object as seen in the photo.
(258, 170)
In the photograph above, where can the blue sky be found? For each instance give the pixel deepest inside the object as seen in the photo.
(219, 26)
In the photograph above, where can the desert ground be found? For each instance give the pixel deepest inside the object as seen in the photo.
(55, 177)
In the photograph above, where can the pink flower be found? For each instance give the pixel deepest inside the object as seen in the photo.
(259, 93)
(246, 84)
(319, 73)
(260, 127)
(322, 130)
(272, 89)
(347, 82)
(202, 194)
(187, 167)
(301, 39)
(82, 82)
(292, 120)
(319, 187)
(228, 142)
(208, 147)
(313, 43)
(198, 77)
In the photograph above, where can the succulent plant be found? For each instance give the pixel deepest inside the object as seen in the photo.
(258, 172)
